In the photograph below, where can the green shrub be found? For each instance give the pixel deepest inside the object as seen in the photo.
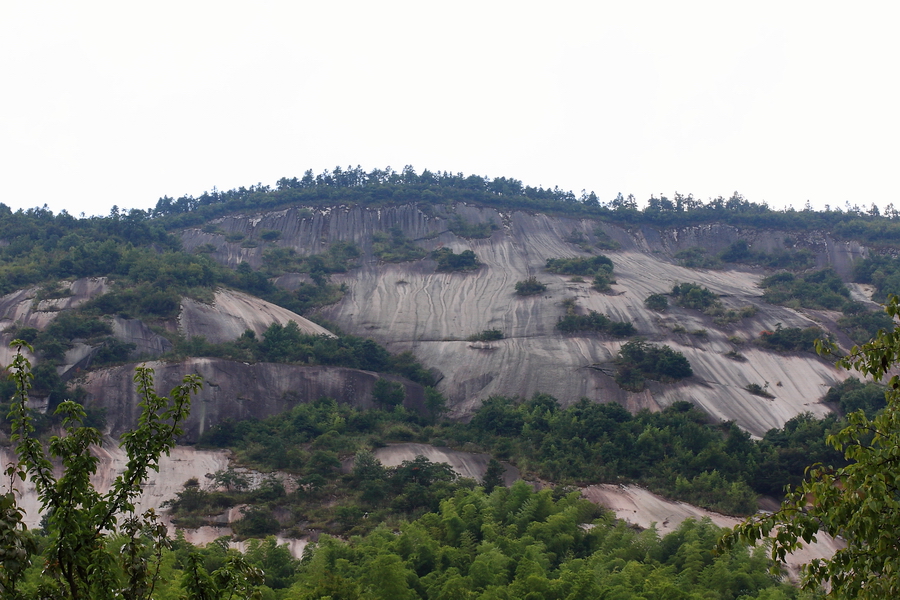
(595, 265)
(395, 247)
(758, 390)
(791, 339)
(596, 322)
(604, 242)
(530, 287)
(691, 295)
(657, 302)
(820, 289)
(488, 335)
(388, 394)
(269, 235)
(638, 360)
(463, 228)
(447, 260)
(696, 258)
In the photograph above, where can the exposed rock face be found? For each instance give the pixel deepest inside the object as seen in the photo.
(235, 390)
(147, 343)
(22, 307)
(232, 313)
(409, 306)
(181, 464)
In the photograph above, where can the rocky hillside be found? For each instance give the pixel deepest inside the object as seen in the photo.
(411, 306)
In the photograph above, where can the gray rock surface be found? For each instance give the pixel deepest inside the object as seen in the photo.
(147, 343)
(409, 306)
(235, 390)
(24, 309)
(232, 313)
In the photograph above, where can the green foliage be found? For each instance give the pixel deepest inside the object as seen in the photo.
(669, 452)
(696, 258)
(518, 543)
(594, 322)
(819, 289)
(81, 524)
(592, 266)
(657, 302)
(740, 252)
(463, 228)
(604, 242)
(691, 295)
(488, 335)
(882, 271)
(388, 394)
(851, 395)
(395, 247)
(856, 501)
(269, 235)
(530, 287)
(493, 477)
(288, 344)
(638, 360)
(256, 521)
(861, 325)
(791, 339)
(339, 258)
(758, 390)
(447, 260)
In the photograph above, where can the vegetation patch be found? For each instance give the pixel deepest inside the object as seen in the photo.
(465, 229)
(861, 325)
(759, 390)
(530, 287)
(638, 360)
(594, 322)
(795, 260)
(697, 258)
(735, 355)
(600, 267)
(395, 247)
(447, 260)
(820, 289)
(488, 335)
(791, 339)
(657, 302)
(339, 258)
(604, 242)
(691, 295)
(881, 271)
(852, 395)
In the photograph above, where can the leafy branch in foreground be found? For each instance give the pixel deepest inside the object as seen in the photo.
(80, 522)
(858, 502)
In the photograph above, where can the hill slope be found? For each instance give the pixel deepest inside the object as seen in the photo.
(411, 306)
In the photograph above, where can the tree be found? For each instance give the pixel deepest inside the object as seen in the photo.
(80, 523)
(493, 477)
(858, 502)
(388, 394)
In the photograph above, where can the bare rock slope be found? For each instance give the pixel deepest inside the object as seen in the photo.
(410, 306)
(235, 390)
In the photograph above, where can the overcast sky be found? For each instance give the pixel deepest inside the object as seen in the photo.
(119, 103)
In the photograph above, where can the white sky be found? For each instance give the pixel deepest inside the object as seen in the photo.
(120, 103)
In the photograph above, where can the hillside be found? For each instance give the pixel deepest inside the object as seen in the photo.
(463, 331)
(410, 306)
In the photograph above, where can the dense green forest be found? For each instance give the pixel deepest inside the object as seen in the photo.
(678, 453)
